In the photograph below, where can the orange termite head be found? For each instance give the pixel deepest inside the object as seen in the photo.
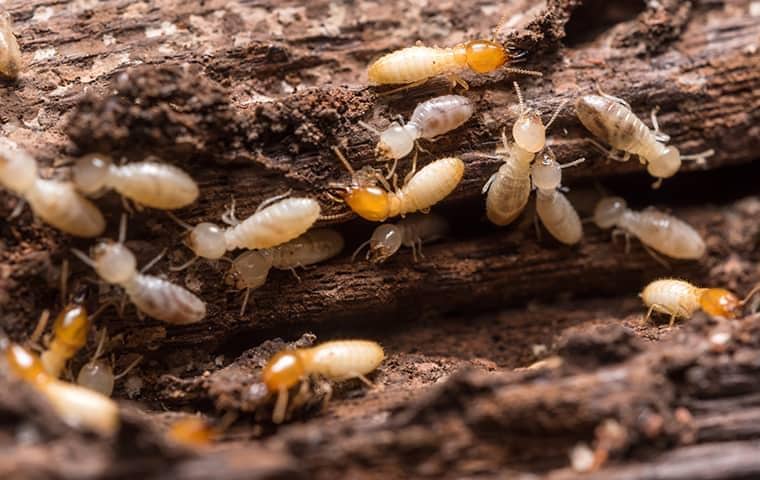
(71, 326)
(719, 302)
(25, 364)
(283, 370)
(484, 56)
(191, 431)
(365, 197)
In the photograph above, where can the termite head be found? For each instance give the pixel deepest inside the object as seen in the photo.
(546, 172)
(396, 141)
(529, 131)
(720, 302)
(18, 170)
(191, 431)
(283, 370)
(363, 195)
(666, 164)
(97, 375)
(249, 270)
(90, 172)
(608, 211)
(484, 56)
(385, 241)
(114, 262)
(207, 240)
(71, 326)
(25, 364)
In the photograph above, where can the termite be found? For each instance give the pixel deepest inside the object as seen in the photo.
(333, 361)
(153, 296)
(409, 232)
(155, 185)
(611, 119)
(192, 432)
(509, 188)
(69, 336)
(430, 119)
(55, 202)
(415, 65)
(656, 230)
(680, 299)
(250, 269)
(434, 182)
(98, 375)
(76, 406)
(275, 222)
(10, 53)
(552, 206)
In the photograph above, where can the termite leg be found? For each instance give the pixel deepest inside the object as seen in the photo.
(366, 381)
(392, 170)
(556, 114)
(280, 406)
(246, 296)
(370, 128)
(271, 200)
(295, 274)
(413, 170)
(40, 327)
(657, 183)
(20, 204)
(179, 268)
(419, 248)
(613, 98)
(153, 262)
(672, 320)
(129, 368)
(659, 135)
(617, 233)
(488, 184)
(359, 248)
(657, 258)
(610, 153)
(228, 216)
(457, 80)
(414, 252)
(328, 394)
(573, 163)
(699, 158)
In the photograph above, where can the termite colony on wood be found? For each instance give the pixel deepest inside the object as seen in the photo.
(279, 233)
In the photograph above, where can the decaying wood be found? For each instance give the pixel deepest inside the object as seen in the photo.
(249, 98)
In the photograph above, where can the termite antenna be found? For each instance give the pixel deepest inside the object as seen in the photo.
(101, 343)
(556, 114)
(573, 163)
(519, 97)
(129, 368)
(179, 222)
(184, 265)
(502, 20)
(83, 257)
(64, 279)
(522, 71)
(699, 158)
(343, 160)
(40, 327)
(370, 128)
(751, 294)
(356, 252)
(123, 228)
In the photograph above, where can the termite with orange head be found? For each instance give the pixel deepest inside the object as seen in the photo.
(552, 206)
(76, 406)
(431, 184)
(153, 296)
(69, 336)
(409, 232)
(250, 270)
(680, 299)
(509, 188)
(276, 221)
(333, 361)
(611, 119)
(155, 185)
(55, 202)
(657, 230)
(10, 53)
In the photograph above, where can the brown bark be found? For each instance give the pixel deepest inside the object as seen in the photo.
(249, 98)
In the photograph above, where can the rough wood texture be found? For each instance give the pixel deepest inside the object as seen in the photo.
(249, 97)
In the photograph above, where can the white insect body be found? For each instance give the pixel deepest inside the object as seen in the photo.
(268, 227)
(155, 185)
(10, 53)
(657, 230)
(552, 206)
(56, 203)
(680, 299)
(153, 296)
(430, 119)
(611, 119)
(411, 232)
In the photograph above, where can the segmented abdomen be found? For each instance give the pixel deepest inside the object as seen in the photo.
(155, 185)
(508, 193)
(439, 115)
(312, 247)
(665, 233)
(59, 204)
(613, 123)
(417, 227)
(164, 300)
(559, 217)
(344, 359)
(429, 186)
(673, 297)
(274, 225)
(412, 64)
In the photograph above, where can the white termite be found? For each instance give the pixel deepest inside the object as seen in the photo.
(430, 119)
(657, 230)
(611, 119)
(155, 185)
(509, 188)
(249, 270)
(409, 232)
(10, 53)
(552, 206)
(275, 222)
(55, 202)
(153, 296)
